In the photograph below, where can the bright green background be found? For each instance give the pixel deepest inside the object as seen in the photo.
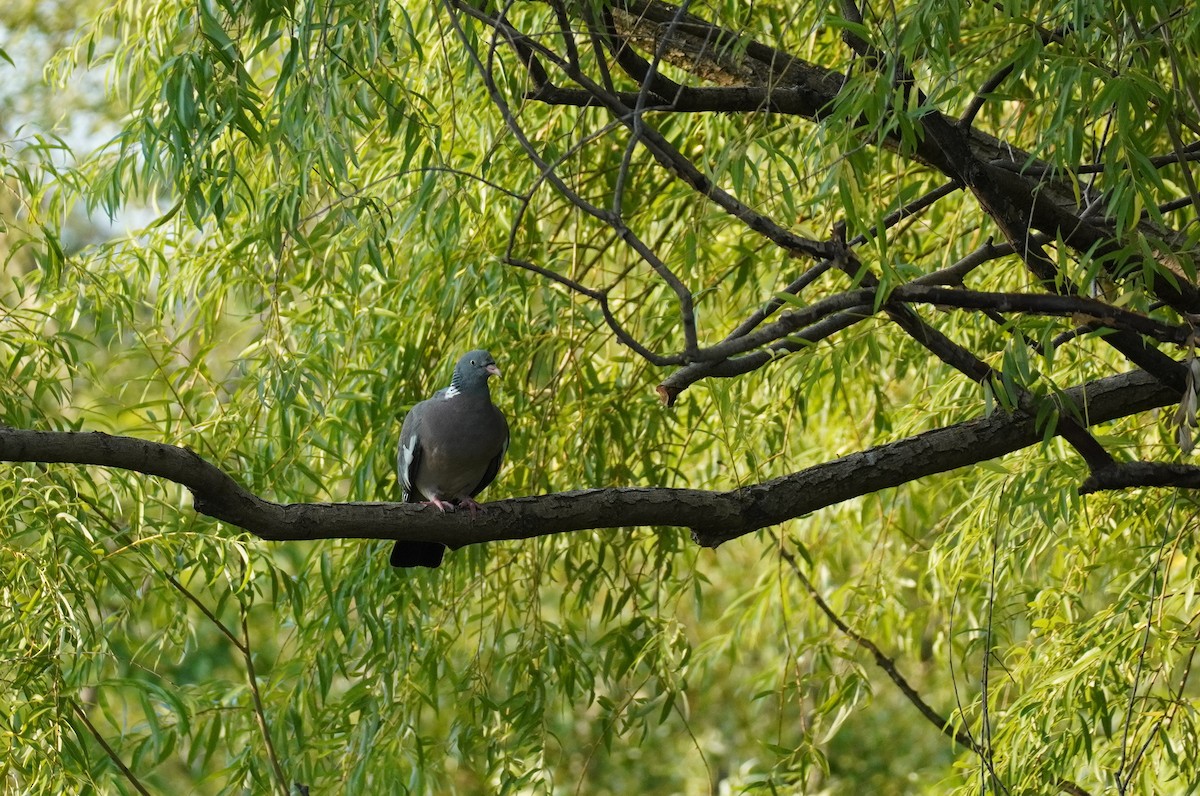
(264, 230)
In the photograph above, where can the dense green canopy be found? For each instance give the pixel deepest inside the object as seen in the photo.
(884, 301)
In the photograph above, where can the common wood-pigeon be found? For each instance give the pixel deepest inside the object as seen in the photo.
(451, 446)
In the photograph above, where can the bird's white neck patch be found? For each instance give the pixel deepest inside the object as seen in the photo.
(451, 391)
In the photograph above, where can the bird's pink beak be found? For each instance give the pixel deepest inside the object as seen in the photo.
(492, 369)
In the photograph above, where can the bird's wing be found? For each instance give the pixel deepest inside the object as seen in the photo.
(493, 466)
(408, 458)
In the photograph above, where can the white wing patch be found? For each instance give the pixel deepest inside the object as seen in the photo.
(406, 460)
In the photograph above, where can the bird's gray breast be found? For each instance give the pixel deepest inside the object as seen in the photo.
(460, 436)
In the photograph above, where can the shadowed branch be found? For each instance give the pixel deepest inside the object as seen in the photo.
(713, 516)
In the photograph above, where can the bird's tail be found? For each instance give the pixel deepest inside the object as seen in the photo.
(417, 554)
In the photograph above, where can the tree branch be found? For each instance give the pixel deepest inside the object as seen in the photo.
(1135, 474)
(678, 381)
(775, 81)
(713, 516)
(793, 330)
(655, 143)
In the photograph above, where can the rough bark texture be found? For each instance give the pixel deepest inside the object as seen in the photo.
(714, 517)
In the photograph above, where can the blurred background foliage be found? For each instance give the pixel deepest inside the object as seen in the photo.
(264, 229)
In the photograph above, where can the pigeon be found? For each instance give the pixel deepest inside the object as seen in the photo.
(451, 447)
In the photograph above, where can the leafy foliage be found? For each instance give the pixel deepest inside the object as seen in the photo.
(329, 201)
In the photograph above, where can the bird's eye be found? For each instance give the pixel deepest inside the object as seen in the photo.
(472, 362)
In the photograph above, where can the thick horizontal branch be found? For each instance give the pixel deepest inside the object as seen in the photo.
(773, 81)
(1134, 474)
(713, 516)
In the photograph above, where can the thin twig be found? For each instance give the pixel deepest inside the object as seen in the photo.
(887, 664)
(1124, 778)
(81, 714)
(208, 614)
(243, 646)
(987, 754)
(522, 44)
(259, 711)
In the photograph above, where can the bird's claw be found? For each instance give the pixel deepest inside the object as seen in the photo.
(445, 505)
(440, 505)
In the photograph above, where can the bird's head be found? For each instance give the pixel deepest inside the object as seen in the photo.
(473, 370)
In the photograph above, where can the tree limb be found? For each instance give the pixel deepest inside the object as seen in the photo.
(713, 516)
(775, 81)
(1135, 474)
(832, 314)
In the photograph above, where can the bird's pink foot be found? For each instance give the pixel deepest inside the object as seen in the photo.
(441, 505)
(471, 505)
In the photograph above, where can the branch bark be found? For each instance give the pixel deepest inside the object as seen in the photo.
(756, 77)
(713, 516)
(769, 79)
(1142, 474)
